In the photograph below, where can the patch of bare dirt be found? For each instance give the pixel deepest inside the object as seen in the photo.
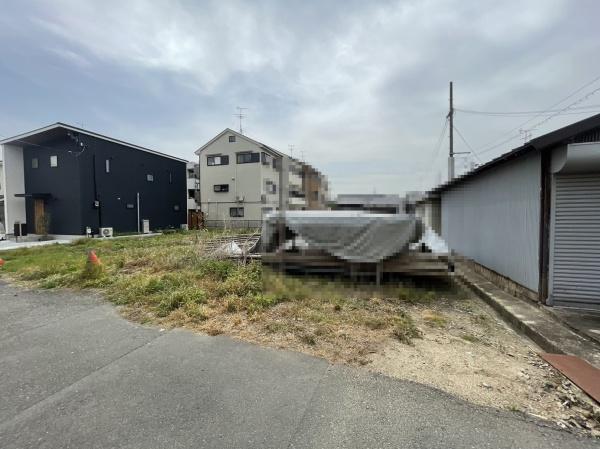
(468, 351)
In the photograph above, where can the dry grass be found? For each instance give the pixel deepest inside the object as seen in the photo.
(172, 281)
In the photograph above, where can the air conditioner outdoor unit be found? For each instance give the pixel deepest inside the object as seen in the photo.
(106, 232)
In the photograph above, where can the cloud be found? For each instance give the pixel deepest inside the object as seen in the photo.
(359, 87)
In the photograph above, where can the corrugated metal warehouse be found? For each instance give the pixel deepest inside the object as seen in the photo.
(532, 215)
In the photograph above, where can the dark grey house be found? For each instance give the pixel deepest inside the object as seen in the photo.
(62, 179)
(531, 216)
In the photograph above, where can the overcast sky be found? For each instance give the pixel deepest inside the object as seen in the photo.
(360, 88)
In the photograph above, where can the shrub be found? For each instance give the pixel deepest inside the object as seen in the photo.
(195, 311)
(405, 329)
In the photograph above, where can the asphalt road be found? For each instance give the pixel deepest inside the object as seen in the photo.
(73, 374)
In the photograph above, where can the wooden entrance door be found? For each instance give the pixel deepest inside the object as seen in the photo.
(39, 216)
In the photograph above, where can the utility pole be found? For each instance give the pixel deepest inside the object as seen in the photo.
(451, 136)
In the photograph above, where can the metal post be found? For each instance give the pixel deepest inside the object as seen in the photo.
(138, 211)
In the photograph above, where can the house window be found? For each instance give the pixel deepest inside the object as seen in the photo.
(35, 163)
(271, 187)
(231, 139)
(236, 212)
(217, 160)
(170, 177)
(53, 161)
(247, 158)
(221, 187)
(150, 177)
(129, 206)
(267, 159)
(107, 165)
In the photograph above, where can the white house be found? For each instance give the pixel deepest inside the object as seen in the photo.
(240, 180)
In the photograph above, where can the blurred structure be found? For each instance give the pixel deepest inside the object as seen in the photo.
(316, 188)
(428, 209)
(356, 244)
(411, 199)
(193, 196)
(370, 202)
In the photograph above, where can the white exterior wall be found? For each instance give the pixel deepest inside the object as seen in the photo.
(2, 211)
(14, 182)
(494, 219)
(245, 180)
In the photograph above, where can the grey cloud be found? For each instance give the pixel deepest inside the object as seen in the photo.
(359, 87)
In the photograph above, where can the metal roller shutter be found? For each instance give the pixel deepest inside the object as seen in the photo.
(576, 245)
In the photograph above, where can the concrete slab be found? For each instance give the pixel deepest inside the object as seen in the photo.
(357, 409)
(7, 245)
(45, 359)
(22, 310)
(181, 390)
(585, 322)
(527, 317)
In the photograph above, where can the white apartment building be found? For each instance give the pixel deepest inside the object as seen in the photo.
(239, 180)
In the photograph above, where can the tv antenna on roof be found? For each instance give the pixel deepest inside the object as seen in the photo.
(291, 148)
(240, 115)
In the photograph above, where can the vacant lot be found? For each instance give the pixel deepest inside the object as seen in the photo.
(436, 334)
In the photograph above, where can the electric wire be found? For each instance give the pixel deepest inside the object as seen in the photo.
(485, 148)
(561, 111)
(580, 110)
(467, 144)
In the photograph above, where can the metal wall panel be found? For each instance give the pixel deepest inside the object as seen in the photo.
(575, 254)
(494, 219)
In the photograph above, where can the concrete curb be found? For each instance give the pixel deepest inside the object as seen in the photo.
(556, 316)
(512, 318)
(538, 325)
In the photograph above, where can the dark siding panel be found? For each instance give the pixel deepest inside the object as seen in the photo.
(128, 170)
(75, 184)
(61, 182)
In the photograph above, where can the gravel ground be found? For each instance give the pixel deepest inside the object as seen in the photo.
(468, 351)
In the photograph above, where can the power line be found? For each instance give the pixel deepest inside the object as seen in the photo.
(559, 112)
(520, 126)
(438, 146)
(467, 144)
(580, 110)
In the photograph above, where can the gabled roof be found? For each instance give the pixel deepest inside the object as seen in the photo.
(50, 130)
(541, 143)
(228, 131)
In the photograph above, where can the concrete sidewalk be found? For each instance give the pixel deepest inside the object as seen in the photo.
(75, 374)
(550, 333)
(6, 245)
